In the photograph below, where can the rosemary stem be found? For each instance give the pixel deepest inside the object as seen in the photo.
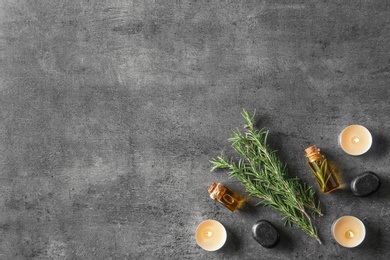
(264, 177)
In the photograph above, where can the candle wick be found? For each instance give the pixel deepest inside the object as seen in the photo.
(356, 140)
(349, 234)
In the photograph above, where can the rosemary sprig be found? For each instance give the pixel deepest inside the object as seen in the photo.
(321, 173)
(265, 177)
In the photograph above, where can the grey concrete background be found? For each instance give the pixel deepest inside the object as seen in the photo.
(111, 110)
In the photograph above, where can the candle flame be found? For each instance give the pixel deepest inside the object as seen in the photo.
(356, 140)
(349, 234)
(208, 233)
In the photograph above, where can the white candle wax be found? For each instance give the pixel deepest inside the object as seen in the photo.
(348, 231)
(355, 140)
(211, 235)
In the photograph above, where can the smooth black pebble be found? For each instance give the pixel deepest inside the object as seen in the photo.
(265, 234)
(365, 184)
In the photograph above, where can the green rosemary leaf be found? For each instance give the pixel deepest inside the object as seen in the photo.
(325, 171)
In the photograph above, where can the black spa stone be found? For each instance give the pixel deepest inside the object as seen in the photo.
(265, 234)
(365, 184)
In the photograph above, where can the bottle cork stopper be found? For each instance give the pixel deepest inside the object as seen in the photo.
(313, 153)
(214, 190)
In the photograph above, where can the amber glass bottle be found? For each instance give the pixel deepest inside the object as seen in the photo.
(325, 176)
(225, 196)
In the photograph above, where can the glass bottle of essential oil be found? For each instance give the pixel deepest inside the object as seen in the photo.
(325, 176)
(225, 196)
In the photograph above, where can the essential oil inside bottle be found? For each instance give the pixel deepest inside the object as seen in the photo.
(225, 196)
(326, 177)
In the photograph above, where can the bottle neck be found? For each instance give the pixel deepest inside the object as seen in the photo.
(215, 189)
(313, 153)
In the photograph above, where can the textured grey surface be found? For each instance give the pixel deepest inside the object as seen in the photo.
(111, 110)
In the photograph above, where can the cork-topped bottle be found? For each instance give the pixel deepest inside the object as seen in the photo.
(325, 176)
(225, 196)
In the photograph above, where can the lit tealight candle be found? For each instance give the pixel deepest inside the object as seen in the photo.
(211, 235)
(348, 231)
(355, 140)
